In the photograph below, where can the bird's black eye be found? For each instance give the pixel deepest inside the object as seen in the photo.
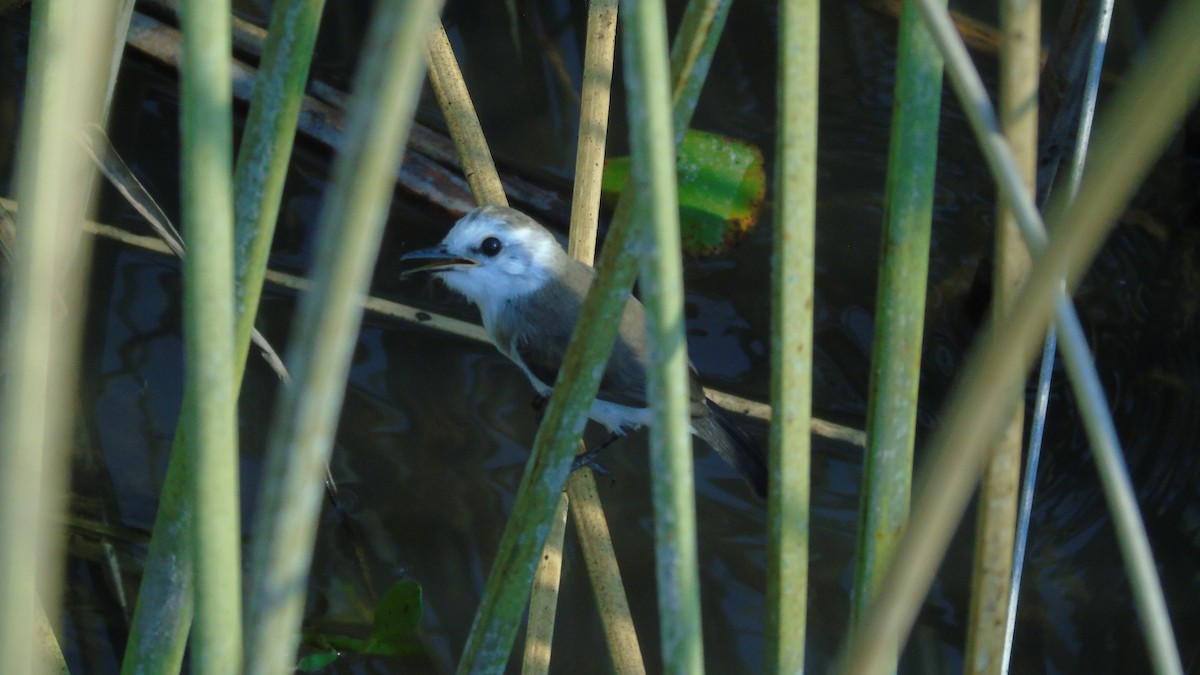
(490, 246)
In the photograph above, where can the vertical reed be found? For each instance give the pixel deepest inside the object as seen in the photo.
(42, 322)
(792, 336)
(587, 512)
(1020, 63)
(207, 166)
(899, 308)
(1038, 418)
(543, 599)
(653, 177)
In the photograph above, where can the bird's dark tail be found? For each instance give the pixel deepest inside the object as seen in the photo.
(734, 446)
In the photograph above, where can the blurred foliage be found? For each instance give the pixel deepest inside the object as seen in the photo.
(396, 619)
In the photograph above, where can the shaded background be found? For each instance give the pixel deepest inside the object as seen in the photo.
(435, 431)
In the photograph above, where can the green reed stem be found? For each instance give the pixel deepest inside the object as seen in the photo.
(207, 165)
(1132, 133)
(653, 176)
(386, 87)
(165, 606)
(792, 270)
(900, 308)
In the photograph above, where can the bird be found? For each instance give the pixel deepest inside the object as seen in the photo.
(529, 292)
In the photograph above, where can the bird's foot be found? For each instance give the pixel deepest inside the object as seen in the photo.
(589, 457)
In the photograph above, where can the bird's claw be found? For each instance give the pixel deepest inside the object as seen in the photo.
(588, 459)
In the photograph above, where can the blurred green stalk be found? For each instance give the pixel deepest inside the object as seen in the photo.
(792, 271)
(667, 386)
(163, 612)
(67, 66)
(507, 592)
(49, 657)
(326, 327)
(207, 165)
(900, 308)
(1130, 136)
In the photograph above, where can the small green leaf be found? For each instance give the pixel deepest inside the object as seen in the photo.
(399, 612)
(397, 617)
(317, 661)
(722, 184)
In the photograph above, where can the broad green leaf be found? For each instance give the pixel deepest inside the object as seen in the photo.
(722, 185)
(317, 661)
(399, 612)
(396, 618)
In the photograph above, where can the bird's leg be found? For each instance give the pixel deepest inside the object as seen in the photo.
(589, 457)
(585, 458)
(539, 404)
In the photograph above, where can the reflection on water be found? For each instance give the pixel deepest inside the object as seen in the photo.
(433, 439)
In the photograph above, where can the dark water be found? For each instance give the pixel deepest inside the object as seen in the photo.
(435, 430)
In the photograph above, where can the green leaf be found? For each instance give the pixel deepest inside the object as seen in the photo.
(399, 612)
(396, 618)
(317, 661)
(722, 185)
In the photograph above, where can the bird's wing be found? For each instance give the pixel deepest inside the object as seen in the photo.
(623, 382)
(540, 341)
(547, 320)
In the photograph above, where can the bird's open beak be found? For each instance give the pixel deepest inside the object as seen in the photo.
(432, 260)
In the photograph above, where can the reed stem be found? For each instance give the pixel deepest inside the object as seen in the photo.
(792, 267)
(455, 101)
(653, 179)
(900, 308)
(991, 578)
(206, 119)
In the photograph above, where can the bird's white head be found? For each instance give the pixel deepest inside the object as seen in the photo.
(491, 255)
